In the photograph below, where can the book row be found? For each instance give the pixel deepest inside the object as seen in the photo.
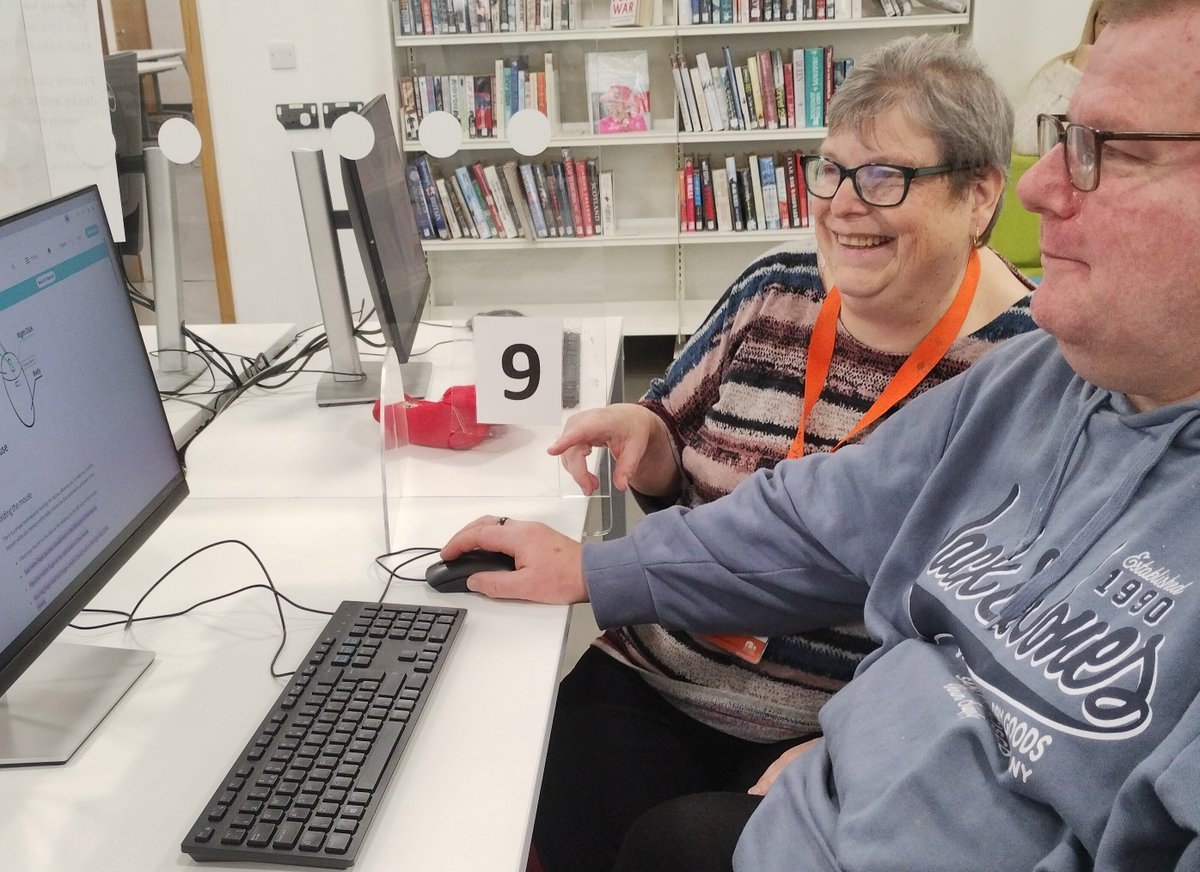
(551, 199)
(757, 11)
(441, 17)
(768, 193)
(482, 104)
(773, 89)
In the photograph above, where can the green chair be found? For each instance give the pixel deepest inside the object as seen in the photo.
(1015, 235)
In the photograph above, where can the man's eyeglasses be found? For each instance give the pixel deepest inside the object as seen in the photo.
(877, 184)
(1082, 146)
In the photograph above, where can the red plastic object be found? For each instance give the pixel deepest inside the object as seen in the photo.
(446, 423)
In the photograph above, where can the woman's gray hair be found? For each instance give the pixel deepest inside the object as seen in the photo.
(942, 87)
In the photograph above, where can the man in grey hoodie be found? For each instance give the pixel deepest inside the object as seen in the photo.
(1023, 540)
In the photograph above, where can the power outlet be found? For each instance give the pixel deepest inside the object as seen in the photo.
(332, 111)
(297, 116)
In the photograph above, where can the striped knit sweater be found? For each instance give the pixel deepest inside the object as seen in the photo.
(732, 402)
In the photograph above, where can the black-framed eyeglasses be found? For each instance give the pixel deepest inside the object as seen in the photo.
(877, 184)
(1082, 146)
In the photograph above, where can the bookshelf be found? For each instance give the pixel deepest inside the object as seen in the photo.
(660, 280)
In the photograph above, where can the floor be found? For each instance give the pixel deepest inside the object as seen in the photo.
(645, 356)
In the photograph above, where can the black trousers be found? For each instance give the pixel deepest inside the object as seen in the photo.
(617, 750)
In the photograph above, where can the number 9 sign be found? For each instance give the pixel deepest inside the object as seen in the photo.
(518, 370)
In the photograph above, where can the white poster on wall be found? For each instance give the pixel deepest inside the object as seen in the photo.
(64, 94)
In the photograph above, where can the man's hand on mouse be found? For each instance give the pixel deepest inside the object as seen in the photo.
(549, 565)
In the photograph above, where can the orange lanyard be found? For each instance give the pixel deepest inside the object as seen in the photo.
(922, 359)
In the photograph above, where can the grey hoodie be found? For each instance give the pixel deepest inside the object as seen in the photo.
(1025, 545)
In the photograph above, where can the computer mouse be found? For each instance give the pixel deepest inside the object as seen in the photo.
(450, 576)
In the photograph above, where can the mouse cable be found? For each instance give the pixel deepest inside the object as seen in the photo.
(394, 573)
(129, 618)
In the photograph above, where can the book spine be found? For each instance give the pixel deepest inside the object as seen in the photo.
(585, 198)
(709, 195)
(549, 203)
(720, 187)
(507, 219)
(708, 86)
(593, 179)
(462, 206)
(827, 79)
(431, 196)
(770, 194)
(736, 119)
(552, 101)
(570, 179)
(755, 94)
(484, 191)
(746, 187)
(793, 189)
(681, 200)
(690, 93)
(801, 188)
(701, 102)
(688, 222)
(814, 87)
(608, 205)
(780, 87)
(443, 192)
(564, 201)
(735, 195)
(416, 193)
(474, 205)
(766, 83)
(514, 197)
(782, 193)
(529, 187)
(685, 115)
(746, 89)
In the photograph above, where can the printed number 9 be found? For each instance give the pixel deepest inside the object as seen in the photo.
(531, 371)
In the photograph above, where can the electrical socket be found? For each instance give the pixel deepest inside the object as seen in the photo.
(297, 116)
(332, 111)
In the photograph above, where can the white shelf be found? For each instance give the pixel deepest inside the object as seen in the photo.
(629, 234)
(598, 31)
(669, 278)
(577, 135)
(642, 318)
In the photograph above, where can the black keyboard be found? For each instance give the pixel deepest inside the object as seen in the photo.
(305, 788)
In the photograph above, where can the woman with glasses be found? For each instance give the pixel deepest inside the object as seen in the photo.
(804, 353)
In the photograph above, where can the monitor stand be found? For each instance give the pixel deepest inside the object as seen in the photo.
(175, 368)
(61, 698)
(415, 377)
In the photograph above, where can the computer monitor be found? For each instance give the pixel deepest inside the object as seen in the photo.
(381, 215)
(88, 469)
(125, 113)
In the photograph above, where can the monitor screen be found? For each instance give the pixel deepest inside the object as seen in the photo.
(385, 226)
(88, 466)
(125, 113)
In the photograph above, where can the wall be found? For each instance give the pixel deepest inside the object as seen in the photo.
(1015, 37)
(342, 53)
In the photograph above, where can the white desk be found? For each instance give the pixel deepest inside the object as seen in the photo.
(183, 415)
(463, 796)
